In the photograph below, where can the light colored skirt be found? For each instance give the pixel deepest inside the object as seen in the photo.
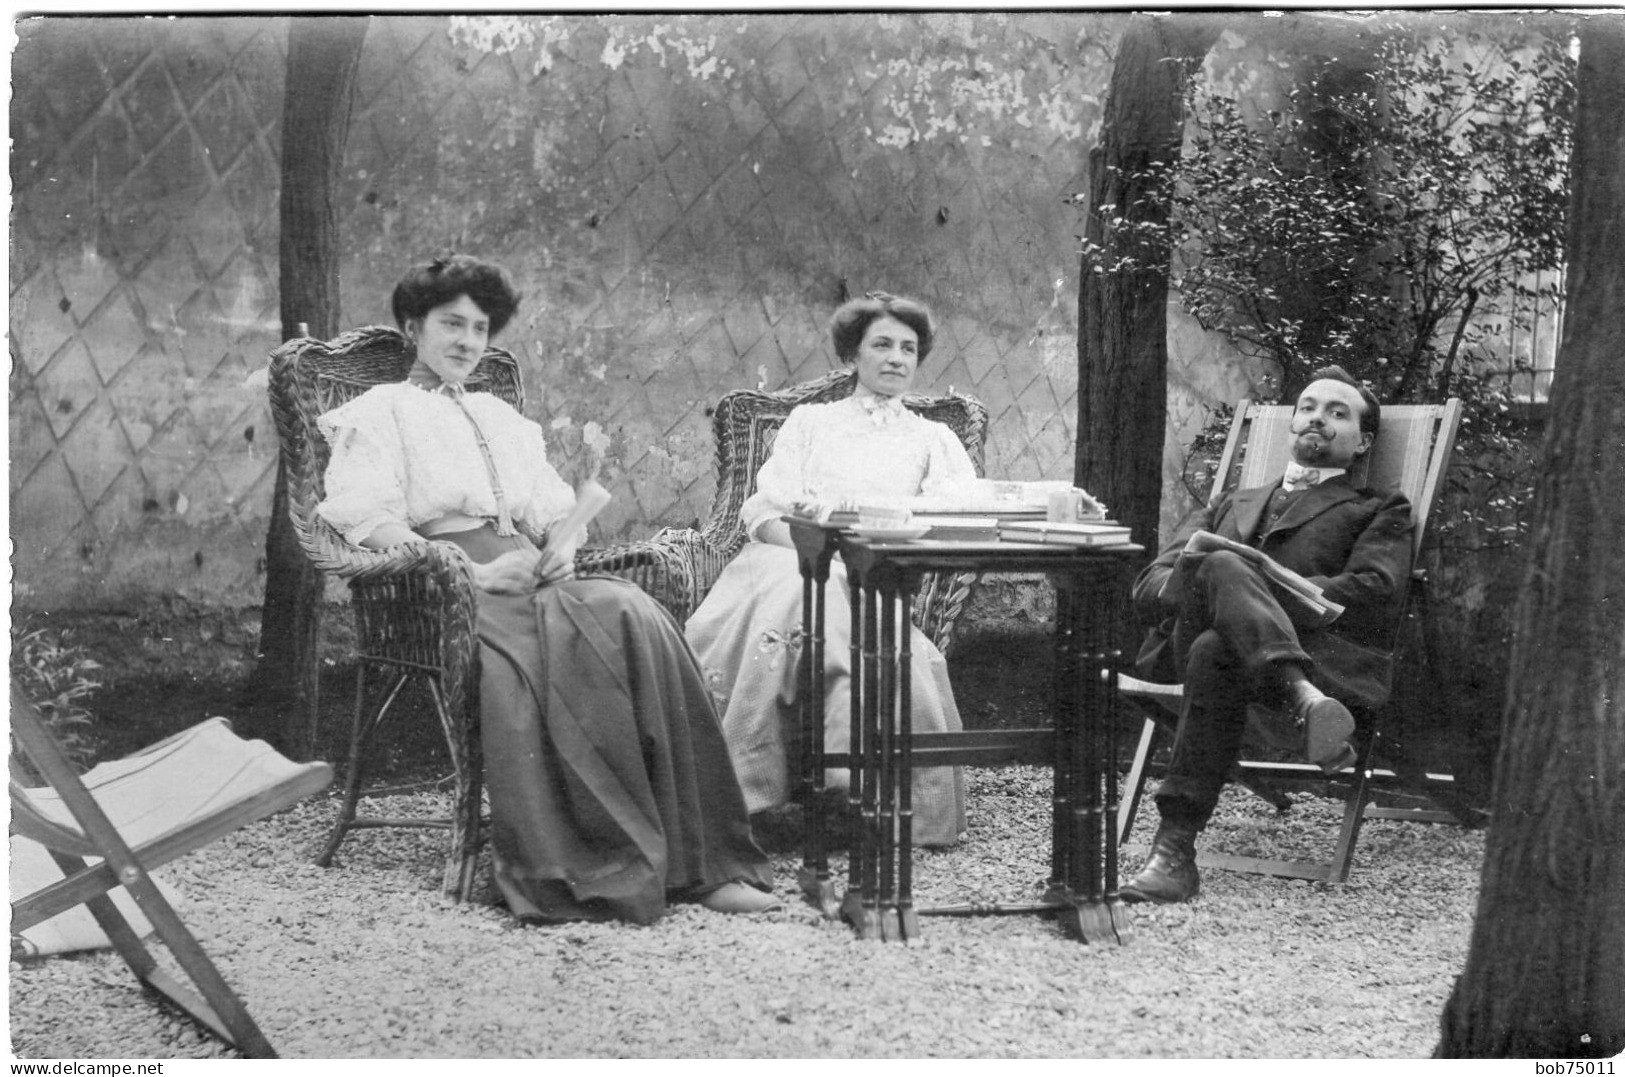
(747, 636)
(611, 790)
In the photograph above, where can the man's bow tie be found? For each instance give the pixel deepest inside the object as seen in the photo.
(881, 409)
(1299, 477)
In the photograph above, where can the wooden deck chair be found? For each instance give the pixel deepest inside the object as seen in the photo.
(1411, 453)
(113, 825)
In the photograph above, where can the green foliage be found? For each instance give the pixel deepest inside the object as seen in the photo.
(56, 675)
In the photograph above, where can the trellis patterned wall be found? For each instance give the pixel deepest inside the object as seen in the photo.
(682, 198)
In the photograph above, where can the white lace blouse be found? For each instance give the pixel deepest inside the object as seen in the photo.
(408, 455)
(859, 449)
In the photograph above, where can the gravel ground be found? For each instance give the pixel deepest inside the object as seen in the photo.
(368, 960)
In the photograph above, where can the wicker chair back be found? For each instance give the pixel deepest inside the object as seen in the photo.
(746, 423)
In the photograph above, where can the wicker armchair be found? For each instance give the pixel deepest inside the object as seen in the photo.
(746, 421)
(414, 605)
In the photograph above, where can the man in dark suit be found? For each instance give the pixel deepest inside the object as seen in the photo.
(1233, 637)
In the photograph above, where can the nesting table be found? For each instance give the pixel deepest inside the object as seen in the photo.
(1092, 586)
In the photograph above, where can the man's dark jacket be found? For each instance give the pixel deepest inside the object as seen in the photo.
(1355, 544)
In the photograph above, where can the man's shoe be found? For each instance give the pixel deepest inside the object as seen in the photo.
(1170, 875)
(1327, 727)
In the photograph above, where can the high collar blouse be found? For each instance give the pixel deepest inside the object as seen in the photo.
(405, 455)
(841, 451)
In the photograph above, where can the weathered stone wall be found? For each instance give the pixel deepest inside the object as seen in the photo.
(683, 200)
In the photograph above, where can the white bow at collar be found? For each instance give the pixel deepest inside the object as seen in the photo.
(453, 389)
(881, 409)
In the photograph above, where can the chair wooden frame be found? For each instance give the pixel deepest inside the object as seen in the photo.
(1411, 453)
(745, 423)
(128, 849)
(414, 604)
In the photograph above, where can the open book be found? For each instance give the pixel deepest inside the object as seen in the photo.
(1297, 587)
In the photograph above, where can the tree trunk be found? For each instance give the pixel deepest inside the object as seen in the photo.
(323, 54)
(1545, 972)
(1122, 317)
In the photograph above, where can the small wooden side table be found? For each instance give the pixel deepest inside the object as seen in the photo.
(1092, 585)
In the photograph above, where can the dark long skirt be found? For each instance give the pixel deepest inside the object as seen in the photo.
(611, 790)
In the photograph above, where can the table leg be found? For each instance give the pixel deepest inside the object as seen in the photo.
(908, 919)
(1089, 918)
(1064, 754)
(1121, 925)
(1094, 914)
(814, 877)
(886, 727)
(1116, 581)
(860, 905)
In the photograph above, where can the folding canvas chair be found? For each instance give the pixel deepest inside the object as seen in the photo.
(746, 422)
(135, 814)
(1411, 453)
(414, 605)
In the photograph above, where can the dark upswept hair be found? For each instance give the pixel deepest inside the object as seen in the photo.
(1373, 410)
(441, 281)
(851, 320)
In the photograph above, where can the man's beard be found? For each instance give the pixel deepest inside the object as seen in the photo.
(1319, 447)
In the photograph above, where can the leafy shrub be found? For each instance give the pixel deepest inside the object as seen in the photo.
(1399, 209)
(56, 675)
(1398, 212)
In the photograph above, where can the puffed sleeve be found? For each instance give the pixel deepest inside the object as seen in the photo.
(366, 474)
(782, 479)
(949, 475)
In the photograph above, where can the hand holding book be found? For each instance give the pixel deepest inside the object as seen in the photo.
(1309, 596)
(557, 559)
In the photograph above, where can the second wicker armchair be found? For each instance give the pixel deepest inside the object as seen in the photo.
(745, 423)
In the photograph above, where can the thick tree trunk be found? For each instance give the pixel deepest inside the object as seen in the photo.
(1122, 316)
(323, 54)
(1545, 972)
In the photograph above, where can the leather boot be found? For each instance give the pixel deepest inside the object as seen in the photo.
(1170, 875)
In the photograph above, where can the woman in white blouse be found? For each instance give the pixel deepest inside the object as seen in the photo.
(611, 791)
(869, 449)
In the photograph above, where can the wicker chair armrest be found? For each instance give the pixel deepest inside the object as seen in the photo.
(704, 556)
(414, 602)
(332, 553)
(660, 570)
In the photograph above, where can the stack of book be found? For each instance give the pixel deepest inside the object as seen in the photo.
(849, 515)
(959, 528)
(1084, 533)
